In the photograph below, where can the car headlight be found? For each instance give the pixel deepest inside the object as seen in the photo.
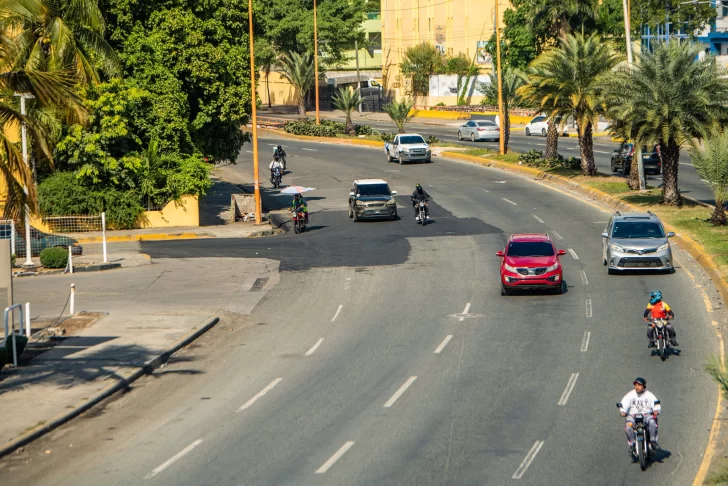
(510, 268)
(552, 267)
(391, 202)
(614, 247)
(663, 247)
(404, 149)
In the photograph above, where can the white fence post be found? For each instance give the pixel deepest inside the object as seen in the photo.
(73, 298)
(27, 319)
(70, 259)
(103, 234)
(12, 237)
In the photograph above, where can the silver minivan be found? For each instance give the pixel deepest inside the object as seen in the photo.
(636, 241)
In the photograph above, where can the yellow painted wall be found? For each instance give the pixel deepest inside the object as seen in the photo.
(185, 212)
(281, 91)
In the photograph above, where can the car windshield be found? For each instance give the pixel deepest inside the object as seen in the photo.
(411, 139)
(538, 119)
(635, 229)
(530, 248)
(374, 190)
(487, 124)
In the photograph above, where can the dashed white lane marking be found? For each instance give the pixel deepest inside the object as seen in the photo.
(337, 312)
(443, 344)
(584, 280)
(528, 460)
(310, 150)
(585, 342)
(538, 219)
(509, 201)
(337, 455)
(173, 459)
(348, 282)
(399, 392)
(467, 308)
(260, 395)
(573, 254)
(569, 389)
(249, 151)
(588, 308)
(314, 348)
(601, 152)
(557, 235)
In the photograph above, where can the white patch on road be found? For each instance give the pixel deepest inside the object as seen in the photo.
(557, 235)
(443, 344)
(509, 201)
(260, 395)
(173, 459)
(588, 308)
(315, 347)
(249, 151)
(538, 219)
(584, 280)
(569, 389)
(337, 455)
(573, 254)
(399, 392)
(310, 150)
(528, 460)
(467, 308)
(601, 152)
(500, 182)
(585, 342)
(337, 312)
(348, 282)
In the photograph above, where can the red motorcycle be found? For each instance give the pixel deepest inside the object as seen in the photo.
(299, 220)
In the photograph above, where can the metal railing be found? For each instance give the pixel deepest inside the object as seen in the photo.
(73, 225)
(10, 330)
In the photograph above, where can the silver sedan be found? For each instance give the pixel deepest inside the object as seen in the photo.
(479, 130)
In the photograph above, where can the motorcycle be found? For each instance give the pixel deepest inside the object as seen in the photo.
(299, 221)
(642, 444)
(422, 211)
(277, 177)
(661, 337)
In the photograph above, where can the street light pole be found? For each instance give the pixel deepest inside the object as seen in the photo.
(358, 79)
(315, 62)
(627, 32)
(24, 137)
(254, 113)
(500, 83)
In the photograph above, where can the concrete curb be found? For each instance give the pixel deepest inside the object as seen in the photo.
(148, 367)
(143, 237)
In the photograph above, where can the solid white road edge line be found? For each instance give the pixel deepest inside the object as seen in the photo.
(467, 308)
(538, 219)
(443, 344)
(509, 201)
(585, 342)
(557, 235)
(337, 312)
(573, 254)
(314, 348)
(588, 308)
(528, 460)
(399, 392)
(569, 389)
(337, 455)
(584, 280)
(260, 394)
(173, 459)
(310, 150)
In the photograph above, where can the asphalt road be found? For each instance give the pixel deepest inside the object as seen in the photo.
(386, 354)
(690, 183)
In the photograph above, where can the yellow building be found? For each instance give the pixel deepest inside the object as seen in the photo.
(453, 26)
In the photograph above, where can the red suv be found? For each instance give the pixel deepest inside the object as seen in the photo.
(530, 261)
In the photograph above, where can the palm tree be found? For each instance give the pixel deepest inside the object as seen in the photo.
(59, 34)
(536, 93)
(400, 112)
(558, 13)
(298, 69)
(670, 97)
(347, 101)
(712, 166)
(512, 80)
(570, 78)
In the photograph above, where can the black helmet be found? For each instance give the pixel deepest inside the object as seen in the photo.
(639, 380)
(276, 157)
(418, 187)
(280, 147)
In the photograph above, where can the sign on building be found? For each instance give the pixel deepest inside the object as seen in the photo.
(483, 56)
(447, 85)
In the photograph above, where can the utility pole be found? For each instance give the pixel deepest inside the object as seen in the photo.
(254, 111)
(627, 32)
(315, 63)
(500, 82)
(358, 78)
(24, 136)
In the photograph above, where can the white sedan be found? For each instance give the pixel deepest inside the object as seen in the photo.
(479, 130)
(540, 125)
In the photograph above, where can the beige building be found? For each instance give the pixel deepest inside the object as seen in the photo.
(453, 26)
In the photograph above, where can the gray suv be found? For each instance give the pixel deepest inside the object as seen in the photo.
(636, 241)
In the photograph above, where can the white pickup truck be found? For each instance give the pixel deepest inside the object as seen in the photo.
(408, 147)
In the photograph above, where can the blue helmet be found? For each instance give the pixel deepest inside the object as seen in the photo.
(655, 296)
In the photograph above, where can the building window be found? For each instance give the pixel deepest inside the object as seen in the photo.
(375, 40)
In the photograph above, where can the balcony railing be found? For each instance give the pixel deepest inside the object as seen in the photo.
(373, 15)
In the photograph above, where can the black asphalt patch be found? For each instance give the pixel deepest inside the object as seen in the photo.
(332, 240)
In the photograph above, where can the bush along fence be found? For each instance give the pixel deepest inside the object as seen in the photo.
(327, 128)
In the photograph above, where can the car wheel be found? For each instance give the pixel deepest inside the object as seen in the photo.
(428, 160)
(472, 137)
(610, 271)
(626, 169)
(528, 132)
(394, 216)
(614, 169)
(356, 217)
(560, 289)
(460, 136)
(351, 213)
(543, 132)
(504, 290)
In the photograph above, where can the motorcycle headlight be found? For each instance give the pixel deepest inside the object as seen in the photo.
(663, 247)
(510, 268)
(552, 267)
(614, 247)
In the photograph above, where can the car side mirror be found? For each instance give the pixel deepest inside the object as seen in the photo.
(500, 253)
(358, 195)
(394, 193)
(605, 235)
(561, 252)
(670, 234)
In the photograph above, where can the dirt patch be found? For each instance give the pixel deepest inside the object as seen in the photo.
(52, 333)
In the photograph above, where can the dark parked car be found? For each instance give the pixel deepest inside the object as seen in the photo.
(39, 240)
(622, 159)
(372, 199)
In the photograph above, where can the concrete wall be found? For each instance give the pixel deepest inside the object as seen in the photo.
(185, 212)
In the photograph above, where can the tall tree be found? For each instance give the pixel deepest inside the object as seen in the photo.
(670, 97)
(560, 15)
(512, 80)
(712, 166)
(570, 78)
(298, 69)
(419, 63)
(347, 100)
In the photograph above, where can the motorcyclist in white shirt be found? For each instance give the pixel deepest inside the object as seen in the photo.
(641, 401)
(276, 163)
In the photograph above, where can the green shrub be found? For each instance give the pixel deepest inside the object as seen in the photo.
(561, 162)
(432, 139)
(364, 130)
(387, 137)
(532, 158)
(309, 128)
(440, 104)
(54, 257)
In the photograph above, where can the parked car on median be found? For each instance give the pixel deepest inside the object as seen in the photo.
(39, 240)
(372, 199)
(623, 156)
(636, 241)
(531, 261)
(540, 125)
(407, 147)
(479, 130)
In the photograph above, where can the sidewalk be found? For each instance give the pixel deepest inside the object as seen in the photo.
(151, 311)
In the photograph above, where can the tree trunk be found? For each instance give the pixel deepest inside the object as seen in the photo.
(634, 173)
(552, 141)
(670, 164)
(350, 125)
(302, 105)
(506, 131)
(718, 218)
(586, 147)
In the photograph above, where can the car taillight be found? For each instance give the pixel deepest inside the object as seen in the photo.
(481, 129)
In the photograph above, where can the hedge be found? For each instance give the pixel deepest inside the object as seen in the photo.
(54, 257)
